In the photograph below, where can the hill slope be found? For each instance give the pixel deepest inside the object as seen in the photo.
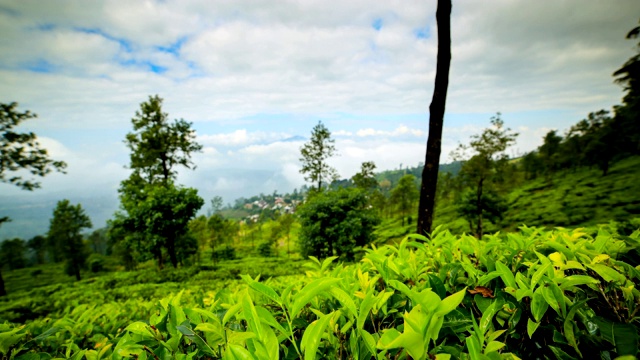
(567, 199)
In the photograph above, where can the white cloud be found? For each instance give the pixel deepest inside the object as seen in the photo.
(236, 64)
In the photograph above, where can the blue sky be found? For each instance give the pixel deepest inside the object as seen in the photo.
(249, 74)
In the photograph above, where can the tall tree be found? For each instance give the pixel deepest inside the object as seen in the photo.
(38, 244)
(436, 119)
(12, 253)
(158, 146)
(216, 205)
(286, 222)
(21, 151)
(315, 154)
(404, 195)
(487, 157)
(64, 231)
(160, 221)
(628, 115)
(365, 179)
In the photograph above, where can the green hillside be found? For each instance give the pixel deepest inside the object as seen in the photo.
(567, 199)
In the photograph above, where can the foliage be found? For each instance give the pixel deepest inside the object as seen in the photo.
(482, 167)
(12, 253)
(505, 296)
(38, 244)
(96, 263)
(314, 155)
(627, 114)
(365, 178)
(216, 205)
(491, 204)
(265, 249)
(226, 252)
(333, 223)
(404, 195)
(64, 233)
(158, 146)
(159, 219)
(21, 151)
(156, 211)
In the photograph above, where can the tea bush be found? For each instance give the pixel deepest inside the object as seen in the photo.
(534, 294)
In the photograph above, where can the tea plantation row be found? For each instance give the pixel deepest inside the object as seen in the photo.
(533, 294)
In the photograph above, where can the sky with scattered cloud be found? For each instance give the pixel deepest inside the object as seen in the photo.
(255, 76)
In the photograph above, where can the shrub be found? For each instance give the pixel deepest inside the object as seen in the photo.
(226, 252)
(334, 222)
(265, 249)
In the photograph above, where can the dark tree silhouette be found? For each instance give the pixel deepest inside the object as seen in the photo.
(436, 118)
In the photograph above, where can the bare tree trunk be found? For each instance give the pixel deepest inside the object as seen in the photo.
(479, 209)
(3, 292)
(436, 118)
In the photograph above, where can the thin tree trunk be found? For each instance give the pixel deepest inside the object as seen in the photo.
(76, 270)
(3, 292)
(436, 119)
(479, 209)
(171, 248)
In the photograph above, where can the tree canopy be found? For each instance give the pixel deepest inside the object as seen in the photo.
(21, 151)
(155, 211)
(157, 145)
(483, 160)
(65, 233)
(335, 222)
(315, 154)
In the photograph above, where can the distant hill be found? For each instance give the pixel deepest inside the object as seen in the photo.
(394, 175)
(30, 217)
(567, 199)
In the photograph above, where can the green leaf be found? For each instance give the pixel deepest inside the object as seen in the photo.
(575, 280)
(437, 286)
(623, 336)
(506, 275)
(267, 318)
(10, 338)
(560, 355)
(313, 335)
(369, 341)
(191, 335)
(607, 273)
(568, 325)
(538, 274)
(233, 310)
(388, 339)
(140, 328)
(550, 297)
(365, 307)
(236, 352)
(262, 289)
(310, 291)
(450, 303)
(494, 346)
(345, 300)
(487, 316)
(473, 346)
(538, 305)
(327, 262)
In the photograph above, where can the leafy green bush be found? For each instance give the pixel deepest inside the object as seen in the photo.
(561, 294)
(335, 222)
(96, 263)
(265, 249)
(226, 252)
